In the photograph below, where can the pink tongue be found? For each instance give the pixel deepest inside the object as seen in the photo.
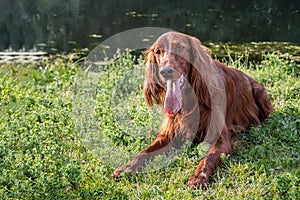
(173, 101)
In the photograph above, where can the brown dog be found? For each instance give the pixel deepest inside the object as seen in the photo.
(204, 100)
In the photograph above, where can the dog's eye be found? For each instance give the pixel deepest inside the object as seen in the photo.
(179, 48)
(158, 51)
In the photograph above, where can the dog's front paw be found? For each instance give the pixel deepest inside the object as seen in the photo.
(134, 166)
(116, 174)
(197, 181)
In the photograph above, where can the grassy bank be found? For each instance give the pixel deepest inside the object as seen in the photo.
(62, 134)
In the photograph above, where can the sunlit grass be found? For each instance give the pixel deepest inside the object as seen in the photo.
(46, 154)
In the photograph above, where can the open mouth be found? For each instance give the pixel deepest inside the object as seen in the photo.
(173, 99)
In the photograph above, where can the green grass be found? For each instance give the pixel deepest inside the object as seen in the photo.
(60, 141)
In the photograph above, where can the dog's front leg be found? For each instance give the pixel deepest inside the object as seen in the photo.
(160, 145)
(208, 164)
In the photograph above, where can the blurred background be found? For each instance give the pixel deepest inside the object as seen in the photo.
(74, 25)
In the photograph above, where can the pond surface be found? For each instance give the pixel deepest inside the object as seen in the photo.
(76, 25)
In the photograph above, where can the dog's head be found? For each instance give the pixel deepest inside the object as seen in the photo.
(172, 65)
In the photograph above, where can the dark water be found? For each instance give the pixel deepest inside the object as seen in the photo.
(68, 25)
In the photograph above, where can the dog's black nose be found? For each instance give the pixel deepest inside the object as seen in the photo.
(167, 72)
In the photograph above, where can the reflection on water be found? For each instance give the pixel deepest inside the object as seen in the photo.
(82, 24)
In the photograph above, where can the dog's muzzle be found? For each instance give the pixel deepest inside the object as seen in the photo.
(174, 82)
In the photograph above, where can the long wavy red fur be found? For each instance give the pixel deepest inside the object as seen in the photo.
(246, 103)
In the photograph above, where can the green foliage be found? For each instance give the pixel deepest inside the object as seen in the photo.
(44, 154)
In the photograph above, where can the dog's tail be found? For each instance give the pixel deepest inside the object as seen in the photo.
(262, 100)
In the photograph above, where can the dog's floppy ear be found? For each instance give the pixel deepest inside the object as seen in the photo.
(211, 91)
(202, 62)
(153, 91)
(200, 53)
